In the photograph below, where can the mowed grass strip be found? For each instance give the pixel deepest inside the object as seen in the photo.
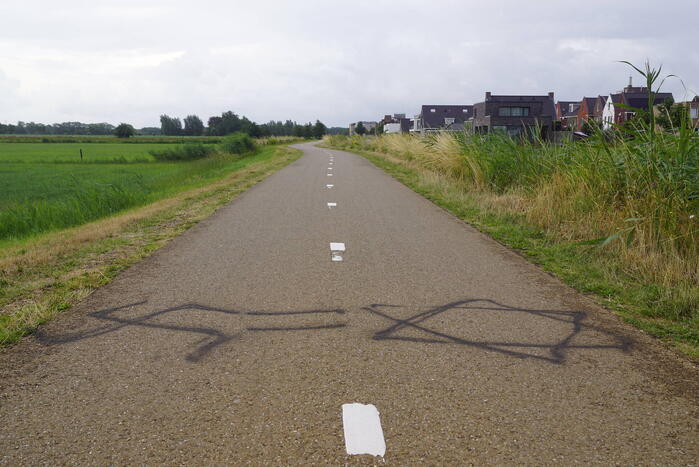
(47, 274)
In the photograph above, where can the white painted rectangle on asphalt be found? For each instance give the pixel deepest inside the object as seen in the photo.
(363, 432)
(330, 175)
(330, 186)
(337, 247)
(332, 205)
(336, 250)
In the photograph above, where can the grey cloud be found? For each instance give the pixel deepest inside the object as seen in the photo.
(336, 61)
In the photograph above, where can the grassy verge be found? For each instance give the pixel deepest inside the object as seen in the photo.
(602, 273)
(44, 275)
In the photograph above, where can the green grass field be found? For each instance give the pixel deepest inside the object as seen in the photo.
(70, 152)
(38, 195)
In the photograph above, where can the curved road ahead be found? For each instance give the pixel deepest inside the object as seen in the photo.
(242, 340)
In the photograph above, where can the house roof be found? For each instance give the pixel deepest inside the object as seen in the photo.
(549, 106)
(590, 102)
(436, 119)
(565, 108)
(616, 98)
(639, 100)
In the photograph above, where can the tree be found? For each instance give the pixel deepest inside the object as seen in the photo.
(193, 126)
(319, 130)
(672, 116)
(308, 130)
(170, 126)
(360, 129)
(226, 124)
(338, 130)
(124, 130)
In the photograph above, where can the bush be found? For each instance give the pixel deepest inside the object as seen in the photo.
(186, 152)
(238, 143)
(124, 130)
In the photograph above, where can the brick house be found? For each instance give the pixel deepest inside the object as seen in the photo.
(516, 115)
(567, 114)
(587, 112)
(441, 117)
(600, 103)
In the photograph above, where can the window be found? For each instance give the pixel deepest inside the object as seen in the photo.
(499, 128)
(433, 110)
(694, 112)
(449, 121)
(513, 112)
(464, 111)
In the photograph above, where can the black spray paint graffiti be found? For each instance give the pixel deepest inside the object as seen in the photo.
(115, 319)
(553, 353)
(211, 338)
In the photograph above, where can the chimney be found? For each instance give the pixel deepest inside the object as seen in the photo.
(630, 81)
(551, 95)
(487, 96)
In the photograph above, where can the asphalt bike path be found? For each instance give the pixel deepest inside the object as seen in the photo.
(331, 316)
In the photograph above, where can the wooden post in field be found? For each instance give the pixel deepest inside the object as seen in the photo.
(81, 155)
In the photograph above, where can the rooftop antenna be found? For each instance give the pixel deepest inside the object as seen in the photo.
(630, 81)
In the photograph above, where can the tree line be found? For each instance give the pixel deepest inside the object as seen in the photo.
(227, 123)
(65, 128)
(230, 122)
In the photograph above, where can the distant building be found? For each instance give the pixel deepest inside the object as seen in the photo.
(441, 117)
(587, 112)
(518, 116)
(368, 125)
(396, 123)
(694, 112)
(567, 114)
(622, 106)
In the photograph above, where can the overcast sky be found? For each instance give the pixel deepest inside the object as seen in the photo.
(338, 61)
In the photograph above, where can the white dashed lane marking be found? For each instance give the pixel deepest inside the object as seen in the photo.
(329, 187)
(336, 250)
(363, 432)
